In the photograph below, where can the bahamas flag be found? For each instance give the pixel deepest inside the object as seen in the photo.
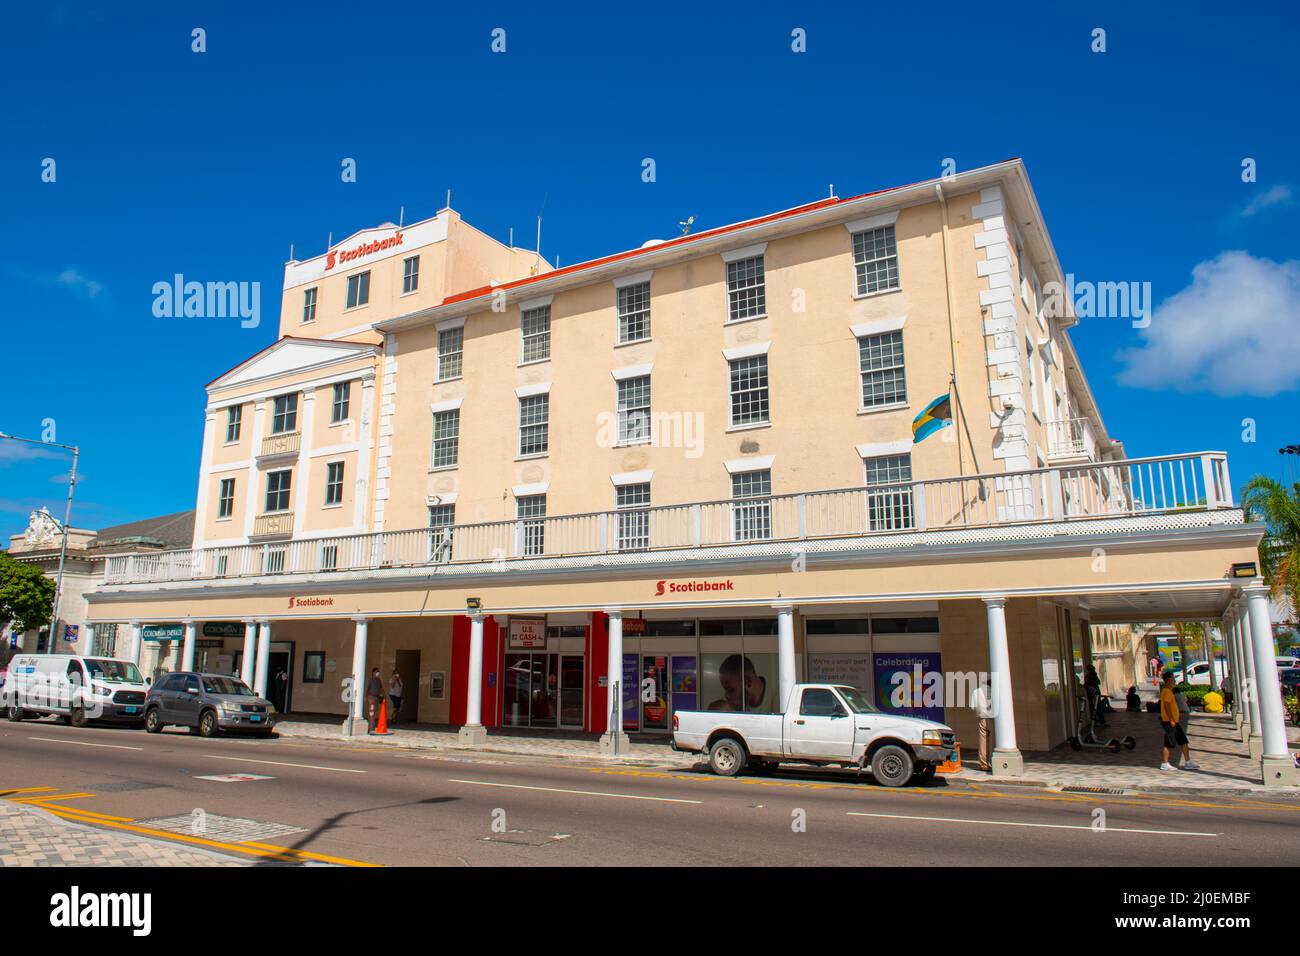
(936, 415)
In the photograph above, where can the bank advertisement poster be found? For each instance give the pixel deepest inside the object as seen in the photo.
(631, 693)
(740, 682)
(686, 683)
(654, 691)
(910, 683)
(838, 667)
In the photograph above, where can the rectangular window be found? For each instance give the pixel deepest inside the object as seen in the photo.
(234, 420)
(746, 289)
(342, 401)
(889, 493)
(275, 560)
(880, 360)
(451, 349)
(535, 324)
(329, 557)
(334, 483)
(752, 510)
(749, 403)
(446, 438)
(531, 509)
(226, 500)
(875, 258)
(309, 305)
(634, 312)
(633, 503)
(223, 565)
(534, 418)
(634, 409)
(285, 416)
(358, 289)
(277, 490)
(410, 274)
(441, 520)
(1033, 379)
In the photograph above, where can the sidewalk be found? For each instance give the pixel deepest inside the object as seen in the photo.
(33, 837)
(1216, 746)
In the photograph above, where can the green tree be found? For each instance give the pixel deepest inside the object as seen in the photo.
(1278, 507)
(26, 595)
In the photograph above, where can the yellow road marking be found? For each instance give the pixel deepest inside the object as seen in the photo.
(7, 793)
(51, 796)
(54, 807)
(307, 855)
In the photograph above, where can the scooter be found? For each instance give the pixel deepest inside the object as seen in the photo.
(1088, 738)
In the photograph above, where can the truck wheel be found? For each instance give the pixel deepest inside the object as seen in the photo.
(892, 766)
(924, 773)
(77, 717)
(727, 757)
(16, 713)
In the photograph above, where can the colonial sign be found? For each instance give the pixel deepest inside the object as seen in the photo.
(163, 632)
(223, 629)
(527, 633)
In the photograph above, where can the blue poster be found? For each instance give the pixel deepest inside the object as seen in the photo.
(910, 683)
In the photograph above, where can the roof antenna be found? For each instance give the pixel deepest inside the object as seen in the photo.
(832, 190)
(401, 216)
(512, 237)
(291, 252)
(686, 225)
(448, 206)
(329, 243)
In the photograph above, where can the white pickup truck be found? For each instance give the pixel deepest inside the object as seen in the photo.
(823, 724)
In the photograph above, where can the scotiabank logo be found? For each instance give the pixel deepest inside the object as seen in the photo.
(686, 587)
(311, 602)
(365, 249)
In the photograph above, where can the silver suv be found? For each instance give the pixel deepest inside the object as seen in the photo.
(208, 703)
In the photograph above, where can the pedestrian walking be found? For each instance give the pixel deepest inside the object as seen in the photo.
(982, 704)
(395, 693)
(374, 696)
(1171, 720)
(1092, 689)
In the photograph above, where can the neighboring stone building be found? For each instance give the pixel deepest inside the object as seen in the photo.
(40, 544)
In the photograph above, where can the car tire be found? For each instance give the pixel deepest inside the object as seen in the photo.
(727, 757)
(153, 721)
(925, 773)
(16, 713)
(892, 766)
(77, 717)
(208, 726)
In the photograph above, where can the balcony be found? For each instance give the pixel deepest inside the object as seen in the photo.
(1053, 498)
(283, 445)
(1070, 440)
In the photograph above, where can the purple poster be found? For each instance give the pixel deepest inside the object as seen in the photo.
(910, 683)
(629, 692)
(686, 683)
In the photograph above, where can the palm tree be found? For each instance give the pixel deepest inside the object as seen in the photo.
(1189, 632)
(1279, 553)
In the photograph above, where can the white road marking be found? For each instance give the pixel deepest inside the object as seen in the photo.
(84, 743)
(1048, 826)
(280, 763)
(584, 793)
(235, 777)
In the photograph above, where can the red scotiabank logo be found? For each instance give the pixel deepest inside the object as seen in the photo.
(366, 248)
(686, 587)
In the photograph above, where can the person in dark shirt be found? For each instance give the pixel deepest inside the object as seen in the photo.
(374, 696)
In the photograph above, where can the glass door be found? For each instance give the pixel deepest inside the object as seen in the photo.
(654, 692)
(515, 707)
(545, 691)
(572, 673)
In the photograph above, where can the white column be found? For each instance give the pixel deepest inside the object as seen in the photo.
(1006, 757)
(249, 661)
(303, 478)
(263, 658)
(785, 666)
(137, 637)
(255, 488)
(187, 653)
(473, 731)
(356, 722)
(614, 741)
(1251, 689)
(1278, 767)
(1235, 666)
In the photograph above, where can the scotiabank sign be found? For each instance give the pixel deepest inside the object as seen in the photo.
(310, 602)
(693, 587)
(365, 249)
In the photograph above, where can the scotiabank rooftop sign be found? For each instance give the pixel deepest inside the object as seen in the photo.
(335, 256)
(692, 587)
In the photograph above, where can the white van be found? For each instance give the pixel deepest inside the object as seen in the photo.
(79, 689)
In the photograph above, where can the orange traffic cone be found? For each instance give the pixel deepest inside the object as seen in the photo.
(381, 726)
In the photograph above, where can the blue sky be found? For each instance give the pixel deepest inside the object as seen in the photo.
(211, 164)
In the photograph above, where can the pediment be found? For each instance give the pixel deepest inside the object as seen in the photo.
(292, 355)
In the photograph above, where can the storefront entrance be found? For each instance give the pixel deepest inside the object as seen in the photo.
(543, 690)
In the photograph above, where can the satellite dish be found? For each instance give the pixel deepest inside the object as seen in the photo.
(652, 242)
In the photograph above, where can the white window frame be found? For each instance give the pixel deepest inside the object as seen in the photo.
(539, 339)
(446, 355)
(750, 510)
(895, 373)
(341, 403)
(410, 274)
(867, 263)
(542, 400)
(633, 531)
(632, 293)
(360, 303)
(334, 472)
(280, 418)
(742, 288)
(234, 423)
(890, 507)
(309, 296)
(286, 490)
(441, 419)
(733, 393)
(633, 419)
(226, 499)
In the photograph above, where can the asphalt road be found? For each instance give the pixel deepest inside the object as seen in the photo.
(353, 803)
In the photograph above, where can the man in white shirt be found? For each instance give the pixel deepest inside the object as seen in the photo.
(982, 704)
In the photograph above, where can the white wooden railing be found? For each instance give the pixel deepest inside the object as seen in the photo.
(1095, 490)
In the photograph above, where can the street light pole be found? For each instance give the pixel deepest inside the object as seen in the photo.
(67, 517)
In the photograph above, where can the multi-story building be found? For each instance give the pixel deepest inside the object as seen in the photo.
(685, 475)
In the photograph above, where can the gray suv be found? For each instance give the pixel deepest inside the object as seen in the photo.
(208, 703)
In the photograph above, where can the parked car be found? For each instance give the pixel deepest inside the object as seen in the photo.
(78, 689)
(1199, 673)
(208, 704)
(1287, 661)
(824, 724)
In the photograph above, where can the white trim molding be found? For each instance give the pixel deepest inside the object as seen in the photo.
(525, 391)
(744, 252)
(536, 302)
(878, 326)
(632, 477)
(635, 278)
(632, 371)
(872, 222)
(448, 498)
(746, 351)
(523, 491)
(740, 465)
(456, 323)
(880, 449)
(447, 406)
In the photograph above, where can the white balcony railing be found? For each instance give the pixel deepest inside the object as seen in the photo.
(1091, 491)
(1070, 438)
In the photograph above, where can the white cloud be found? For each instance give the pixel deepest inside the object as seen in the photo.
(1234, 331)
(75, 280)
(1278, 195)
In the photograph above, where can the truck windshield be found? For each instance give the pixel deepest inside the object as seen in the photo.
(856, 700)
(113, 672)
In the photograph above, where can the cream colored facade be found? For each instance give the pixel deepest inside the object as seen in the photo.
(954, 271)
